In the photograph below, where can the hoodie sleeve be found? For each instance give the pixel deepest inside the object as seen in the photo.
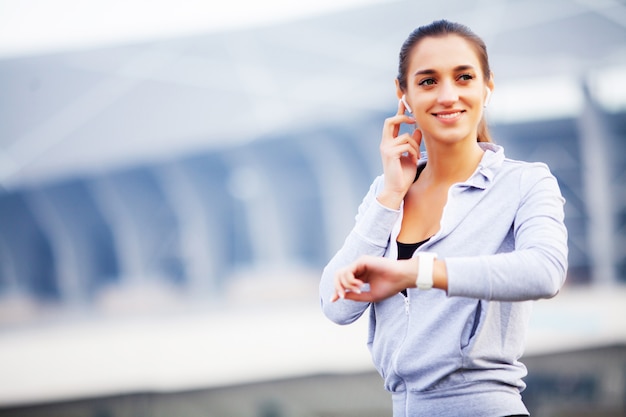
(370, 236)
(537, 267)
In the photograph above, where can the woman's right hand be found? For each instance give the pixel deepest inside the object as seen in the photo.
(399, 157)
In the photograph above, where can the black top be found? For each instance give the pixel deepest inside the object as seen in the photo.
(406, 251)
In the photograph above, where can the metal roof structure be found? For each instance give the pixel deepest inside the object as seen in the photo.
(86, 110)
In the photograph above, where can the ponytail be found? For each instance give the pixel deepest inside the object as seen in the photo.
(483, 131)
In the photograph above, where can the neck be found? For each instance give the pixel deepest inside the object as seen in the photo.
(450, 163)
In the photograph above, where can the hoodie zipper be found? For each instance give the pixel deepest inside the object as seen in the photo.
(396, 353)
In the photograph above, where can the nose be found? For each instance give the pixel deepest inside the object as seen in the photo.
(447, 94)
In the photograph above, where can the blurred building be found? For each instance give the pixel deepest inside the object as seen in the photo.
(166, 172)
(178, 161)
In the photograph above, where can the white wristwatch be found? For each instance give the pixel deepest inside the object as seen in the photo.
(425, 272)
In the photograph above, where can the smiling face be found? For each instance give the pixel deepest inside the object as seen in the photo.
(446, 88)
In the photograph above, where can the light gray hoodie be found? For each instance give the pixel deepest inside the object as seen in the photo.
(504, 242)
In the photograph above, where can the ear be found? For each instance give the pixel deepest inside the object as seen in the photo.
(399, 92)
(490, 83)
(489, 89)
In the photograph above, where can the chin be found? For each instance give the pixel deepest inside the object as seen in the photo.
(450, 137)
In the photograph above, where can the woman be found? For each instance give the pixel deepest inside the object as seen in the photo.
(486, 233)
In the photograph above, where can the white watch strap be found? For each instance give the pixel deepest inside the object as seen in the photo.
(425, 273)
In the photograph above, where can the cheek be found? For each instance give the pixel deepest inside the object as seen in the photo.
(477, 96)
(423, 101)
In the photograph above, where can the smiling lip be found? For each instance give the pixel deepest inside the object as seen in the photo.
(449, 115)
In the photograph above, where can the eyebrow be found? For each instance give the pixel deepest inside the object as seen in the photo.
(431, 71)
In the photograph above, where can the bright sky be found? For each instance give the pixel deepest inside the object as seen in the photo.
(35, 26)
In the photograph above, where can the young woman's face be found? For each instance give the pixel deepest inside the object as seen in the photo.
(446, 88)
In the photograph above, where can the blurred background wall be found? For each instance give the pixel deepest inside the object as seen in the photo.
(174, 175)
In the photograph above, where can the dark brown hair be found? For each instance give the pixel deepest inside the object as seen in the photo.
(440, 28)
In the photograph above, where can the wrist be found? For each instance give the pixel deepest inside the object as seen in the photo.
(409, 272)
(440, 275)
(391, 200)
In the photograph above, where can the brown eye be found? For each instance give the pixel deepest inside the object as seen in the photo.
(427, 82)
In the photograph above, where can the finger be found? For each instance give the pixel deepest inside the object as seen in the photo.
(363, 297)
(414, 139)
(339, 290)
(405, 151)
(390, 148)
(402, 112)
(351, 284)
(347, 280)
(401, 107)
(417, 137)
(404, 147)
(392, 124)
(342, 284)
(406, 138)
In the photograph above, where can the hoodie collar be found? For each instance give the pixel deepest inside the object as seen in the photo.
(492, 159)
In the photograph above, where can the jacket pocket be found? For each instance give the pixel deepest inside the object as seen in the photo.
(471, 327)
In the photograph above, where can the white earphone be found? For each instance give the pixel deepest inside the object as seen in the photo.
(406, 105)
(487, 97)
